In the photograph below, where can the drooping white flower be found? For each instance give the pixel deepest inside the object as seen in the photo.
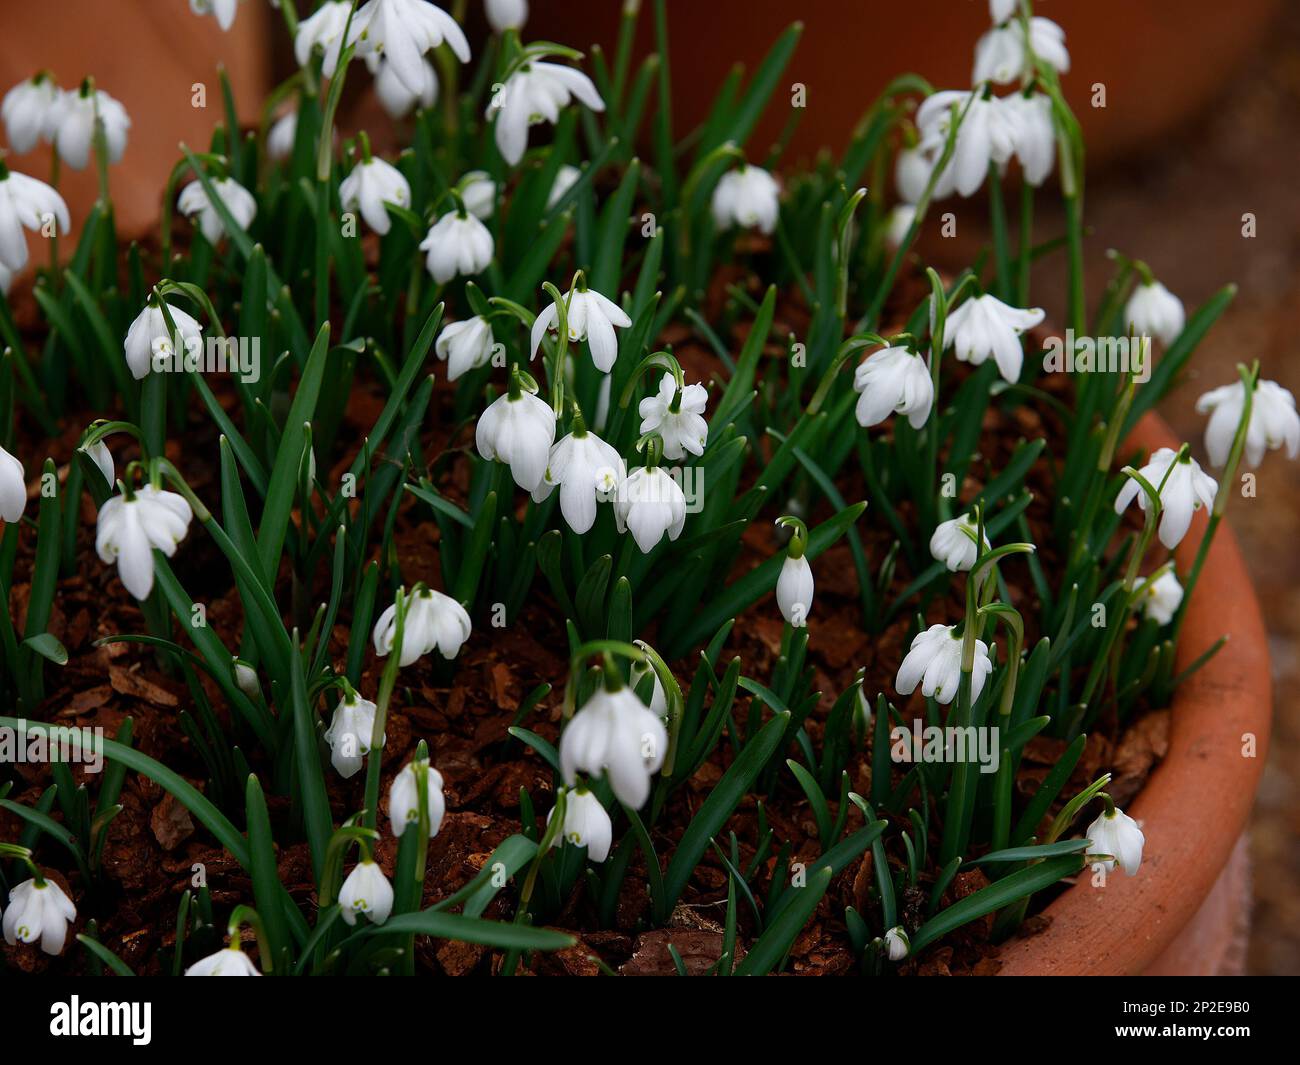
(897, 945)
(366, 890)
(893, 381)
(371, 184)
(588, 471)
(953, 543)
(1117, 834)
(350, 732)
(1036, 140)
(1161, 598)
(103, 459)
(616, 734)
(899, 223)
(465, 346)
(457, 244)
(985, 326)
(72, 125)
(396, 98)
(26, 202)
(934, 662)
(505, 15)
(678, 417)
(39, 911)
(1001, 10)
(1274, 422)
(534, 93)
(229, 961)
(794, 590)
(402, 31)
(224, 12)
(478, 192)
(148, 337)
(1047, 41)
(586, 824)
(193, 200)
(590, 317)
(912, 171)
(1185, 490)
(281, 135)
(518, 431)
(999, 55)
(1154, 311)
(565, 178)
(27, 110)
(13, 488)
(433, 620)
(129, 529)
(988, 134)
(650, 502)
(404, 798)
(322, 30)
(748, 197)
(658, 698)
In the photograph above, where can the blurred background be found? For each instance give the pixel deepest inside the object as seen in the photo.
(1201, 125)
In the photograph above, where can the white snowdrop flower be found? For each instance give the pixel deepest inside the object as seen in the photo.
(402, 31)
(1161, 598)
(404, 798)
(465, 346)
(396, 98)
(586, 469)
(912, 171)
(1047, 40)
(505, 15)
(534, 93)
(953, 543)
(1036, 141)
(72, 125)
(433, 620)
(281, 135)
(13, 488)
(129, 529)
(893, 381)
(27, 110)
(366, 890)
(677, 416)
(934, 662)
(586, 824)
(1117, 834)
(650, 502)
(518, 431)
(1154, 311)
(658, 698)
(478, 192)
(616, 734)
(229, 961)
(748, 197)
(1001, 10)
(457, 244)
(565, 178)
(193, 200)
(350, 733)
(103, 459)
(1274, 422)
(38, 910)
(985, 326)
(224, 12)
(147, 337)
(899, 223)
(1186, 489)
(26, 203)
(371, 184)
(999, 55)
(322, 30)
(590, 317)
(246, 679)
(794, 590)
(988, 134)
(897, 945)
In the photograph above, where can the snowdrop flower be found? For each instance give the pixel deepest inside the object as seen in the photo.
(147, 337)
(535, 93)
(587, 470)
(658, 698)
(650, 502)
(893, 380)
(590, 317)
(1000, 55)
(1161, 598)
(280, 137)
(193, 200)
(1274, 422)
(985, 326)
(988, 134)
(13, 488)
(393, 94)
(1001, 10)
(565, 178)
(402, 31)
(1186, 488)
(130, 527)
(1036, 143)
(366, 890)
(586, 824)
(246, 679)
(478, 192)
(404, 798)
(433, 620)
(518, 430)
(322, 29)
(934, 662)
(912, 171)
(103, 459)
(897, 944)
(465, 346)
(1154, 311)
(749, 197)
(350, 732)
(794, 590)
(505, 15)
(229, 961)
(72, 125)
(677, 415)
(25, 202)
(371, 184)
(458, 243)
(953, 543)
(224, 12)
(899, 223)
(1117, 834)
(27, 109)
(616, 734)
(1047, 41)
(39, 909)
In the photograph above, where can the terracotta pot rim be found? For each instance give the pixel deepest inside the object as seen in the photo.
(1197, 802)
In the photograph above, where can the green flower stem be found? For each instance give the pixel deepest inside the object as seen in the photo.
(374, 760)
(247, 915)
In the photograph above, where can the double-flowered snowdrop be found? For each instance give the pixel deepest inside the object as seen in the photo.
(1183, 488)
(13, 488)
(131, 526)
(988, 134)
(588, 471)
(565, 178)
(26, 111)
(1274, 422)
(478, 192)
(534, 93)
(229, 961)
(433, 621)
(458, 243)
(465, 346)
(404, 797)
(1036, 139)
(1002, 57)
(1117, 834)
(589, 316)
(148, 337)
(350, 732)
(371, 184)
(616, 734)
(934, 662)
(26, 203)
(517, 429)
(72, 125)
(794, 587)
(193, 200)
(222, 10)
(586, 823)
(366, 890)
(893, 380)
(402, 31)
(505, 15)
(1160, 599)
(748, 197)
(650, 503)
(985, 326)
(39, 909)
(323, 31)
(396, 99)
(1154, 311)
(677, 415)
(897, 944)
(954, 543)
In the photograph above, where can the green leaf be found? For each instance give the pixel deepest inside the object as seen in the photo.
(476, 930)
(775, 942)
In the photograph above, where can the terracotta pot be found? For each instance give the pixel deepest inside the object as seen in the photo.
(1186, 911)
